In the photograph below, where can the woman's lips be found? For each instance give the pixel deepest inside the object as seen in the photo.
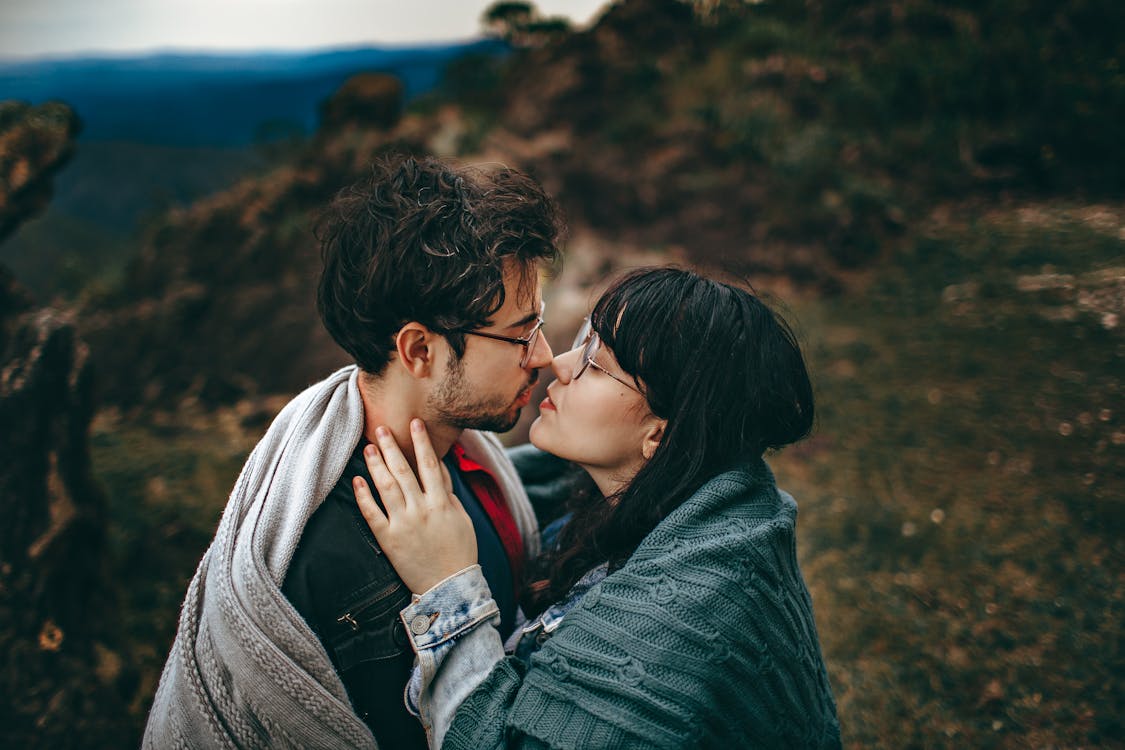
(547, 405)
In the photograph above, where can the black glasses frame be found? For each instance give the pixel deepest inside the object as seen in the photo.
(590, 342)
(528, 342)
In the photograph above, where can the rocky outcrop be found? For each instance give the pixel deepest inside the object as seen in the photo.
(366, 100)
(53, 510)
(34, 143)
(53, 595)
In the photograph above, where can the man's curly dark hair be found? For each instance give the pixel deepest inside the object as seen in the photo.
(420, 240)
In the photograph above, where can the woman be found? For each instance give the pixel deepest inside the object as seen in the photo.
(678, 617)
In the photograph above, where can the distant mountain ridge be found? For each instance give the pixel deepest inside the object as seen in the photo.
(216, 99)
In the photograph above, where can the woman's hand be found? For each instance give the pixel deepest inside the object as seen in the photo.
(425, 533)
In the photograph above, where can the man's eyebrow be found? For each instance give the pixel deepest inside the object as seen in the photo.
(529, 318)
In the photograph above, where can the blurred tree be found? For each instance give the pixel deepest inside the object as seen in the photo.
(520, 24)
(507, 19)
(365, 100)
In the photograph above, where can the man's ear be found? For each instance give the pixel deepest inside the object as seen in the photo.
(654, 433)
(416, 347)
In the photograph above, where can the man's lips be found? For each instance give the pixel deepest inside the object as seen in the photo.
(548, 404)
(524, 397)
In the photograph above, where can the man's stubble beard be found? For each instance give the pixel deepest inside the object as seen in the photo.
(452, 404)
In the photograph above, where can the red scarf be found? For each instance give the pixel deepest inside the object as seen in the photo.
(487, 490)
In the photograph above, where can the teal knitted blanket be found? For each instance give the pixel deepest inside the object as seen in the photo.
(705, 638)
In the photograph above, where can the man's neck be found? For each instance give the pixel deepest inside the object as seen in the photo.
(387, 406)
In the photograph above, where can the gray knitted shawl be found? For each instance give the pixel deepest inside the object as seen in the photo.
(704, 639)
(245, 670)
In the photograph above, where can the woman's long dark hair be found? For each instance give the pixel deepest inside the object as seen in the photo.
(727, 374)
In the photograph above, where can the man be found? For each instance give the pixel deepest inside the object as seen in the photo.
(289, 635)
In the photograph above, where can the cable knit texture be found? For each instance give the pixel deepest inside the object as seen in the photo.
(704, 639)
(245, 670)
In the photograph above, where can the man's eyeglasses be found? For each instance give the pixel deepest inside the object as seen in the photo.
(528, 342)
(590, 342)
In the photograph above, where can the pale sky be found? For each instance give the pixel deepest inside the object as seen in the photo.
(66, 27)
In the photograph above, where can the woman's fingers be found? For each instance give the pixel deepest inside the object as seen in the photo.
(429, 466)
(436, 480)
(397, 464)
(427, 537)
(447, 482)
(374, 516)
(385, 483)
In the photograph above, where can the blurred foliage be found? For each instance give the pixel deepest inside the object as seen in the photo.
(1008, 92)
(853, 107)
(833, 123)
(88, 233)
(372, 100)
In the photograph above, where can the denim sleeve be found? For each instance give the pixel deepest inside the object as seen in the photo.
(452, 629)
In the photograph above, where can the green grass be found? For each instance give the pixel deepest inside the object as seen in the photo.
(167, 479)
(963, 501)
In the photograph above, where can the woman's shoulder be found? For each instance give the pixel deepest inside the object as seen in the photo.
(713, 591)
(742, 503)
(730, 542)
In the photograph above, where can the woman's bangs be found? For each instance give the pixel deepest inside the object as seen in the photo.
(632, 315)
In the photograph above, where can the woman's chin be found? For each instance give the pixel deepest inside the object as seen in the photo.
(539, 435)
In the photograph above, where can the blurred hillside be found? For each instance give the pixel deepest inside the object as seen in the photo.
(160, 131)
(220, 100)
(90, 232)
(935, 187)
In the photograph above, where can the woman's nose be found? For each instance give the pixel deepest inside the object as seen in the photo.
(563, 364)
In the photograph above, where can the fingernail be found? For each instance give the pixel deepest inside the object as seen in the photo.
(416, 425)
(382, 432)
(369, 451)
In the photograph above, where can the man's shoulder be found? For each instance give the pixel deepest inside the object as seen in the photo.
(336, 529)
(337, 558)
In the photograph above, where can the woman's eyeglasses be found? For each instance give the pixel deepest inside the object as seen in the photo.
(590, 342)
(528, 342)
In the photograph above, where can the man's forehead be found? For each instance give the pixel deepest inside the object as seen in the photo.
(522, 293)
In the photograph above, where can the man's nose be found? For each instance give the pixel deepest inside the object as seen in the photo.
(541, 355)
